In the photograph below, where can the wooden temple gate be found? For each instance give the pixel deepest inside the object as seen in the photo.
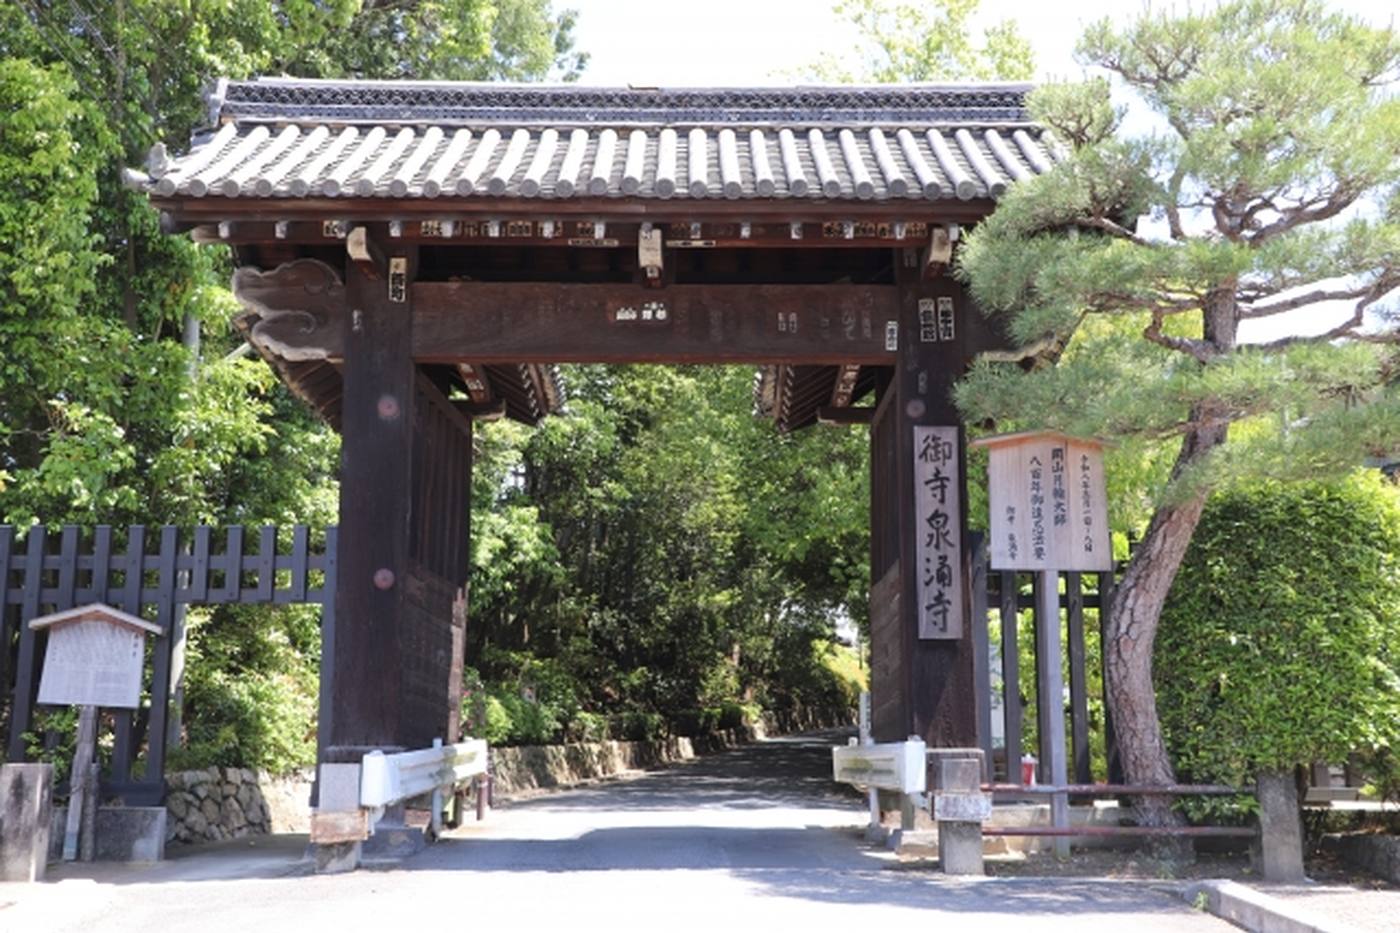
(413, 257)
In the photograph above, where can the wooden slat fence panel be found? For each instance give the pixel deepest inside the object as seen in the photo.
(183, 571)
(1003, 590)
(1078, 681)
(1011, 672)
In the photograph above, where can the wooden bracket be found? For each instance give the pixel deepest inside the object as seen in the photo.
(478, 386)
(940, 250)
(845, 386)
(365, 253)
(858, 415)
(298, 306)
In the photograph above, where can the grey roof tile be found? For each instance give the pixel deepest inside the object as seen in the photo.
(281, 138)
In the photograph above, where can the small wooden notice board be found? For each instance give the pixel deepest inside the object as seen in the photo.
(1049, 513)
(1048, 502)
(94, 658)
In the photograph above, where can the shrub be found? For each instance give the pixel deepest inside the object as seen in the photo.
(249, 720)
(1278, 642)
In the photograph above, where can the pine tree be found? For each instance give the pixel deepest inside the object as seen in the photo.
(1268, 198)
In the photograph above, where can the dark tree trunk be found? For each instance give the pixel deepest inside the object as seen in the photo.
(1132, 632)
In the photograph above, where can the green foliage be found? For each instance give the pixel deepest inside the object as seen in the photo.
(1270, 192)
(1264, 206)
(251, 688)
(660, 551)
(1280, 644)
(105, 416)
(925, 42)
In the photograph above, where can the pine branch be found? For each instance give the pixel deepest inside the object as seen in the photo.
(1116, 229)
(1349, 327)
(1312, 297)
(1342, 197)
(1201, 350)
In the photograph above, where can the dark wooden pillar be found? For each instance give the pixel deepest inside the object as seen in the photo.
(364, 658)
(936, 677)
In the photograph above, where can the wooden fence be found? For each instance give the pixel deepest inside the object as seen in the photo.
(998, 599)
(42, 573)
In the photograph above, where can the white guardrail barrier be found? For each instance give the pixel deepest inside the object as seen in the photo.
(896, 766)
(387, 779)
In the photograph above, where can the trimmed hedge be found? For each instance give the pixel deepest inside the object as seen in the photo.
(1278, 644)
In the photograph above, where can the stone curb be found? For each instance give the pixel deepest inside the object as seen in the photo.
(1256, 911)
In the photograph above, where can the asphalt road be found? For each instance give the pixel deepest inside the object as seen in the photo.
(753, 839)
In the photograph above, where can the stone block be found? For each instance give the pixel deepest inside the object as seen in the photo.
(231, 815)
(130, 834)
(960, 847)
(1279, 850)
(340, 787)
(962, 776)
(959, 775)
(393, 838)
(26, 812)
(337, 858)
(210, 809)
(961, 807)
(245, 795)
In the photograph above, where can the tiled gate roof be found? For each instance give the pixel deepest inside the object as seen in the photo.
(286, 138)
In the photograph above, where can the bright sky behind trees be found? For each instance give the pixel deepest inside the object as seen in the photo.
(761, 41)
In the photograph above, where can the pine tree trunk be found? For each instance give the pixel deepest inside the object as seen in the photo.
(1132, 632)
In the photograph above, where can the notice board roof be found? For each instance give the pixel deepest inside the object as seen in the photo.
(92, 611)
(1020, 437)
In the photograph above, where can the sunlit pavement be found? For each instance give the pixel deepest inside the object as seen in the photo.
(754, 838)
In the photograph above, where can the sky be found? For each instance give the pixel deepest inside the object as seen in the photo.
(739, 42)
(679, 43)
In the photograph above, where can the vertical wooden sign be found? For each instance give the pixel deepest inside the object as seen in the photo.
(939, 530)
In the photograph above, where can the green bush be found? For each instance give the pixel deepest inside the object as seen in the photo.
(638, 726)
(1278, 644)
(249, 720)
(587, 727)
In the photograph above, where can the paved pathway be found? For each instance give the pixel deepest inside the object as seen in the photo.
(752, 839)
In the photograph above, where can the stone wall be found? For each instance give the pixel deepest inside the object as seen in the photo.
(1378, 853)
(226, 803)
(525, 768)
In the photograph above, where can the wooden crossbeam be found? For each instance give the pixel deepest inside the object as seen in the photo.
(531, 322)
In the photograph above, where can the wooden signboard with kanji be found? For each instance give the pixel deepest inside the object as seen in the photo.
(1049, 507)
(939, 532)
(94, 657)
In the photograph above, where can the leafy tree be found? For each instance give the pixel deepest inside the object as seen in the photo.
(665, 549)
(1280, 642)
(899, 42)
(106, 413)
(1273, 181)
